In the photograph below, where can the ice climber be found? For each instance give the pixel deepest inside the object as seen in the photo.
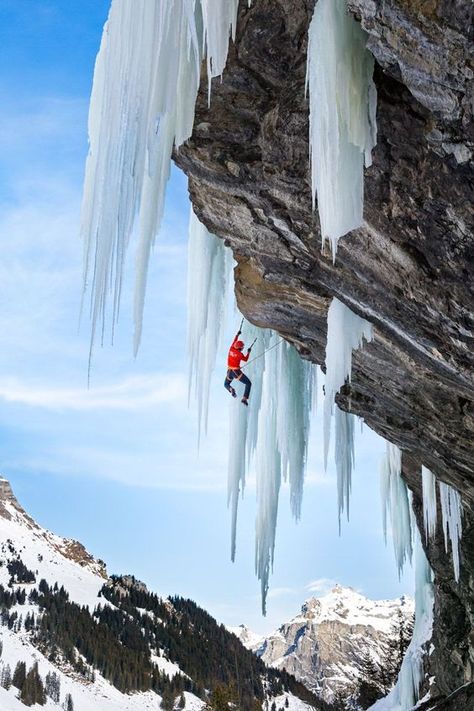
(233, 368)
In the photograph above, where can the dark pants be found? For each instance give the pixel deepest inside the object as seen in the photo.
(238, 375)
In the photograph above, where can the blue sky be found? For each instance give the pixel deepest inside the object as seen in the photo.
(116, 466)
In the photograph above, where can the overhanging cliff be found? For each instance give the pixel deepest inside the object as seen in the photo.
(408, 270)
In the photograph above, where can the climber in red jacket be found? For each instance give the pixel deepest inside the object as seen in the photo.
(233, 368)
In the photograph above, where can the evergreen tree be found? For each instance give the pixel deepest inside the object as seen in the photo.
(182, 701)
(222, 699)
(53, 686)
(6, 679)
(33, 691)
(19, 675)
(167, 699)
(370, 688)
(68, 704)
(401, 634)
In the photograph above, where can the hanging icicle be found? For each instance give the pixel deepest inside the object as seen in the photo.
(345, 332)
(342, 117)
(451, 512)
(269, 473)
(220, 22)
(344, 456)
(429, 502)
(406, 692)
(395, 502)
(209, 266)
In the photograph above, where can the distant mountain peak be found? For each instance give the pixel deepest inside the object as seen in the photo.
(323, 645)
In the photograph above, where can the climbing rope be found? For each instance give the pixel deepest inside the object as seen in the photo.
(262, 354)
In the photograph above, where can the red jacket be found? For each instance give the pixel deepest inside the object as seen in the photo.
(235, 356)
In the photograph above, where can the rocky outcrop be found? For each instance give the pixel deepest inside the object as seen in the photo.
(408, 269)
(326, 644)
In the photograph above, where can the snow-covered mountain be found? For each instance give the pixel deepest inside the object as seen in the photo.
(249, 639)
(107, 644)
(325, 644)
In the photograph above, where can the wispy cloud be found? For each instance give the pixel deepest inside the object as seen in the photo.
(321, 586)
(132, 393)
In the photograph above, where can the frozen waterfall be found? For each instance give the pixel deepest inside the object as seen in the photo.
(143, 99)
(395, 502)
(342, 117)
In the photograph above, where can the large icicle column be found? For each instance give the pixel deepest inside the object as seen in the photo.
(451, 514)
(395, 501)
(146, 80)
(209, 266)
(145, 86)
(451, 511)
(342, 117)
(243, 428)
(282, 443)
(272, 434)
(345, 332)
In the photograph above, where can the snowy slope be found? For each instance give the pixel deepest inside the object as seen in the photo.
(50, 557)
(323, 645)
(66, 562)
(294, 704)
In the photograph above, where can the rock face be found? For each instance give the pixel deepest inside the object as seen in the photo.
(408, 269)
(324, 645)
